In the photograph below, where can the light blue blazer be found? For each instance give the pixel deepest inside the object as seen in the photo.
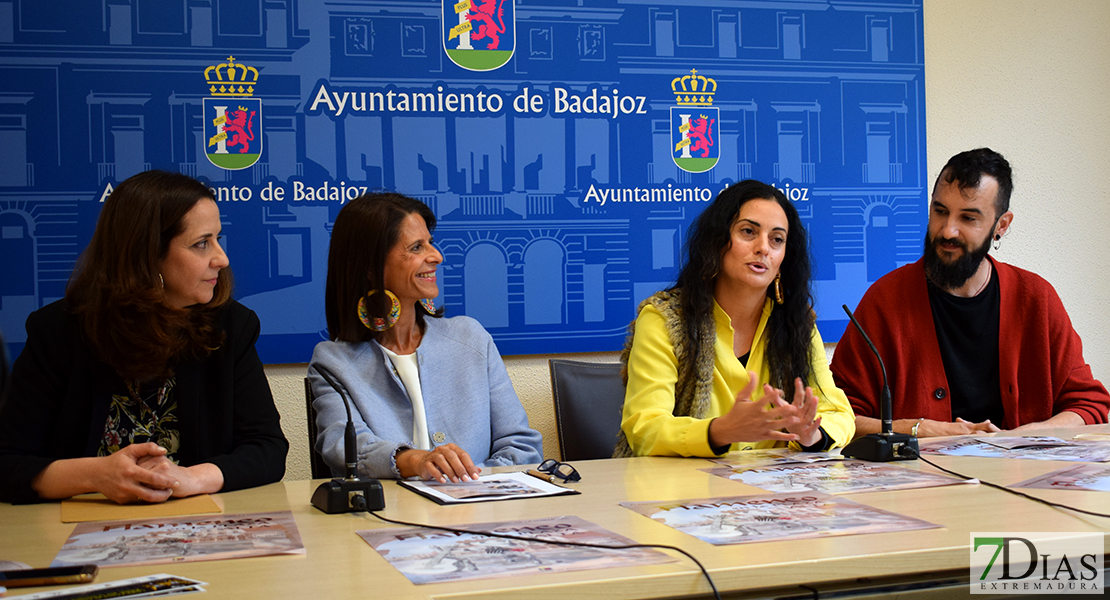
(468, 400)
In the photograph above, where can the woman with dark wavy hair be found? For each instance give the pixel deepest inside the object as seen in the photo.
(143, 382)
(430, 397)
(739, 315)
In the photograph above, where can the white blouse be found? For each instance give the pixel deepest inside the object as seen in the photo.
(409, 372)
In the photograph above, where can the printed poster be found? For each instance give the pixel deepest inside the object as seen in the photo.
(774, 456)
(432, 556)
(790, 516)
(180, 539)
(1090, 477)
(841, 477)
(1078, 451)
(1030, 441)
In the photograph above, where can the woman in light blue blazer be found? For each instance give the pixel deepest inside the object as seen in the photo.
(430, 395)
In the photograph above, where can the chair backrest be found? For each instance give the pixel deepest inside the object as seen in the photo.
(3, 369)
(320, 469)
(588, 401)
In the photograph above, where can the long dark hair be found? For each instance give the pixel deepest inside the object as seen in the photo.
(115, 288)
(789, 329)
(365, 230)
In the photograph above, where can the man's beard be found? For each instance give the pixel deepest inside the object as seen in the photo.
(950, 276)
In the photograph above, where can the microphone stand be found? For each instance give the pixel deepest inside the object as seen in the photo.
(349, 493)
(886, 445)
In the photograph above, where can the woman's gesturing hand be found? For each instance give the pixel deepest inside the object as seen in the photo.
(808, 426)
(749, 421)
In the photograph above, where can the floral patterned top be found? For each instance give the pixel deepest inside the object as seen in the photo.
(145, 413)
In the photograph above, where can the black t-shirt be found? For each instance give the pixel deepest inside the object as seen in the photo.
(967, 332)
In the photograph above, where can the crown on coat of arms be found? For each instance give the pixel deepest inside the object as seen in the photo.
(230, 79)
(694, 89)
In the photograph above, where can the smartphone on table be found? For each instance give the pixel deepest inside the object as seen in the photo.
(48, 576)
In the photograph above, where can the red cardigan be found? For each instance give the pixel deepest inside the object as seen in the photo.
(1040, 356)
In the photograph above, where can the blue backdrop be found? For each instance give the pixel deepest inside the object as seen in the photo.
(565, 146)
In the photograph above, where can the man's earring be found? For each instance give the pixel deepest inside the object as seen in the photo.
(997, 241)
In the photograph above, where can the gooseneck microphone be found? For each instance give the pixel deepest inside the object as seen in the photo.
(350, 440)
(349, 493)
(886, 445)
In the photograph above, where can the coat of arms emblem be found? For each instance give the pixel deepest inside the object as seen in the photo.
(232, 116)
(479, 35)
(695, 123)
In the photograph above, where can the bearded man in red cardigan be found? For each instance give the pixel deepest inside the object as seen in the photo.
(971, 344)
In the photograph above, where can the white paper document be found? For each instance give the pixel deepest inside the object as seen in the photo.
(137, 587)
(496, 486)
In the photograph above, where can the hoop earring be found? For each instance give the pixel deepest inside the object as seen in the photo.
(778, 289)
(378, 323)
(429, 306)
(161, 282)
(997, 242)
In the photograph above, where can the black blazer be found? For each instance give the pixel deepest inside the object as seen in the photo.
(59, 397)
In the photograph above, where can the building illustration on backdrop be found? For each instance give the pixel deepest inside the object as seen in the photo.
(821, 99)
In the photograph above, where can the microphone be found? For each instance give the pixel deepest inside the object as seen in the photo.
(349, 493)
(886, 445)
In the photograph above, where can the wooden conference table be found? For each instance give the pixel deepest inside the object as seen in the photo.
(339, 564)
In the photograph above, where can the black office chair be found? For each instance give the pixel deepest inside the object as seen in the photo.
(3, 369)
(588, 401)
(320, 469)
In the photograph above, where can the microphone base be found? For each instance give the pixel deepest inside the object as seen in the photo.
(879, 447)
(345, 495)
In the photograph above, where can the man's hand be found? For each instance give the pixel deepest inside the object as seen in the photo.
(930, 428)
(1066, 418)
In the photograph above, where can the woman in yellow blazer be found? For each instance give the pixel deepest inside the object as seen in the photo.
(730, 357)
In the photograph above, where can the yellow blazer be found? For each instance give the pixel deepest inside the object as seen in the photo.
(648, 418)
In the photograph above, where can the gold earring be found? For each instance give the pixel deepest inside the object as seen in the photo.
(378, 323)
(778, 289)
(161, 282)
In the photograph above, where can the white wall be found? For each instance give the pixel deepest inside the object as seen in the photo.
(1027, 78)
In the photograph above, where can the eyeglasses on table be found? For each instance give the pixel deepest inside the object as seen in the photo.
(559, 469)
